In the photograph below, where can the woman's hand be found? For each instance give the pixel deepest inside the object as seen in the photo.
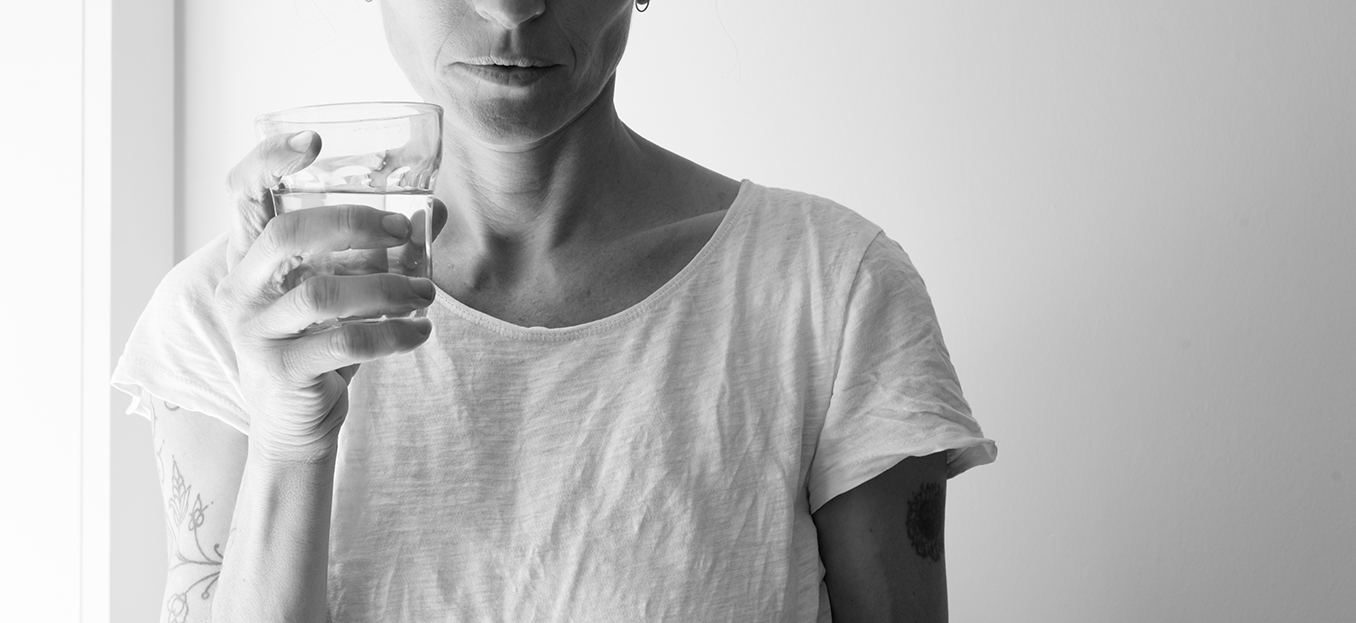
(296, 386)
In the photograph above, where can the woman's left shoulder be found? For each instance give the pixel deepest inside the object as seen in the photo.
(810, 222)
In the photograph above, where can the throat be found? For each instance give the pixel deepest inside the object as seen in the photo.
(542, 283)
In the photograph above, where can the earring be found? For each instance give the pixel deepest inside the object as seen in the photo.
(642, 5)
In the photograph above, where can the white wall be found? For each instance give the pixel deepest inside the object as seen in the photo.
(1136, 221)
(53, 152)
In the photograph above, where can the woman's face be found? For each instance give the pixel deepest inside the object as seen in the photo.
(443, 46)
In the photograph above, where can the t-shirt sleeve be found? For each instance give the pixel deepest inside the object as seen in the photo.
(895, 393)
(179, 350)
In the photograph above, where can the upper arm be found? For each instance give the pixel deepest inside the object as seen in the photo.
(201, 461)
(881, 545)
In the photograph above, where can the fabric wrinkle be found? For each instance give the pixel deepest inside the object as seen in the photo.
(659, 464)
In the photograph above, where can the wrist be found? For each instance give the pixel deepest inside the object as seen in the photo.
(284, 455)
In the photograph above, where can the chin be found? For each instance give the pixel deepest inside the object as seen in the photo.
(505, 122)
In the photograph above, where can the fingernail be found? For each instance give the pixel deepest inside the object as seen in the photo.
(423, 288)
(396, 225)
(301, 141)
(424, 328)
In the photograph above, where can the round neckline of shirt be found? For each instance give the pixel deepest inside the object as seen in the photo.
(694, 265)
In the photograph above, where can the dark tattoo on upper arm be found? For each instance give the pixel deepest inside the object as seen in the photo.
(183, 517)
(927, 516)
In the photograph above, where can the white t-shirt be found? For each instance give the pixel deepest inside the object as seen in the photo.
(660, 464)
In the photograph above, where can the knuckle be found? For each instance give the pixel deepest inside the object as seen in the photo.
(294, 362)
(254, 328)
(242, 183)
(347, 218)
(223, 300)
(356, 221)
(269, 235)
(363, 341)
(392, 287)
(235, 180)
(226, 300)
(278, 232)
(336, 344)
(319, 293)
(234, 306)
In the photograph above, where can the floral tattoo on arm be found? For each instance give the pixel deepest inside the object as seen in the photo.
(184, 514)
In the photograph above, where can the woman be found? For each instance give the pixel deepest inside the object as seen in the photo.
(644, 390)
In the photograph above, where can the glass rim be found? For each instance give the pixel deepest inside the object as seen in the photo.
(421, 108)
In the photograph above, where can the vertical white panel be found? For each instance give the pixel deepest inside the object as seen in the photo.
(96, 288)
(45, 286)
(142, 251)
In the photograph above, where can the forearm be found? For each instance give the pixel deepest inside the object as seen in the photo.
(277, 555)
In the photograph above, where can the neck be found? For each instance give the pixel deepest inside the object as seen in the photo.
(529, 199)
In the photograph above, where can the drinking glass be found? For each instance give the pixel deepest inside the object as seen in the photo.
(379, 154)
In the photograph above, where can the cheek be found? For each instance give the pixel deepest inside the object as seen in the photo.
(417, 34)
(614, 39)
(598, 40)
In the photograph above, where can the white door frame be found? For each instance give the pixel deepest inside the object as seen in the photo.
(127, 233)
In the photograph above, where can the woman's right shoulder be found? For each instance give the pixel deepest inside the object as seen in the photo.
(200, 272)
(179, 350)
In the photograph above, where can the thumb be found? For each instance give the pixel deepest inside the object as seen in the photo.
(250, 181)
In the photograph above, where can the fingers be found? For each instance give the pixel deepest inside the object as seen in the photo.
(312, 355)
(249, 182)
(290, 238)
(324, 297)
(419, 220)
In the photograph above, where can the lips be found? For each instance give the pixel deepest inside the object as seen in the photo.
(508, 61)
(507, 75)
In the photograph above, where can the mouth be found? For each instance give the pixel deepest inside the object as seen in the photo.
(508, 61)
(508, 72)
